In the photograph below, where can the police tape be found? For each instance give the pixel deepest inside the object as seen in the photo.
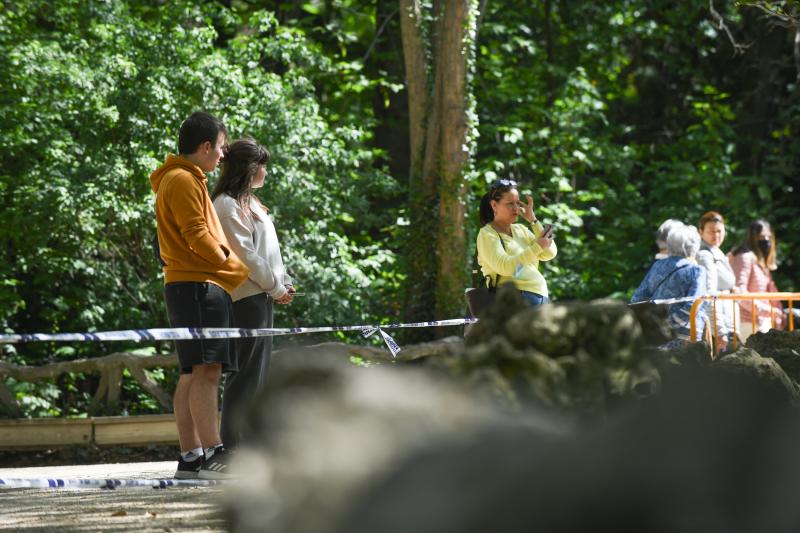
(65, 483)
(670, 301)
(162, 334)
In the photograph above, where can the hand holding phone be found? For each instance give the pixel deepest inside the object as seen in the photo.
(548, 231)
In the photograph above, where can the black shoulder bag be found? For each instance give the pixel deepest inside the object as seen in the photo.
(480, 298)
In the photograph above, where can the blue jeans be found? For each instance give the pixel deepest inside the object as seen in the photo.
(533, 299)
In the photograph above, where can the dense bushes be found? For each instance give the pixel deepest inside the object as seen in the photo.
(616, 115)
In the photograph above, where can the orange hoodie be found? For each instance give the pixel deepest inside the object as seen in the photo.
(190, 236)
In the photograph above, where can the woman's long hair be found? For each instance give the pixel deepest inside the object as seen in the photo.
(496, 191)
(750, 244)
(239, 167)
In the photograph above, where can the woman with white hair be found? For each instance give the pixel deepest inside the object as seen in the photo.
(661, 236)
(677, 276)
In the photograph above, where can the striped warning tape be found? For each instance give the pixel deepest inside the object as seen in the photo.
(669, 301)
(157, 334)
(65, 483)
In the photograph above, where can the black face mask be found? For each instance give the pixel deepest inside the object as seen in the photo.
(765, 246)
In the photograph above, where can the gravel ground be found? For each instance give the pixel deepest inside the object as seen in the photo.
(123, 509)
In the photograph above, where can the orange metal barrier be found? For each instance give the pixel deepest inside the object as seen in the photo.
(752, 296)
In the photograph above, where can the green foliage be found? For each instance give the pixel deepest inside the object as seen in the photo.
(614, 115)
(618, 115)
(93, 96)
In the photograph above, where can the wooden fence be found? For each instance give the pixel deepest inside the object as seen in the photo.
(141, 429)
(110, 368)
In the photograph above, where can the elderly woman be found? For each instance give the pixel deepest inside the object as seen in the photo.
(753, 262)
(720, 276)
(509, 252)
(661, 236)
(677, 276)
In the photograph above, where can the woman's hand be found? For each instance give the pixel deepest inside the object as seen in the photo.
(527, 211)
(287, 298)
(546, 237)
(545, 242)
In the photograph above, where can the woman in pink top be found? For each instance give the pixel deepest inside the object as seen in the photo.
(753, 262)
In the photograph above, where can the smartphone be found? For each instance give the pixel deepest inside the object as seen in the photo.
(548, 231)
(297, 294)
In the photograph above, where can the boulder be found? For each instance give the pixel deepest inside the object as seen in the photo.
(575, 355)
(783, 346)
(715, 453)
(325, 429)
(747, 361)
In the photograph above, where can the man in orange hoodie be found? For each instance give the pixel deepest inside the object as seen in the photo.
(200, 272)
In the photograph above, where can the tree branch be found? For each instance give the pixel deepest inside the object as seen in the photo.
(788, 20)
(722, 25)
(378, 34)
(784, 19)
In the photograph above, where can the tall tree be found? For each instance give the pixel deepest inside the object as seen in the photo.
(438, 51)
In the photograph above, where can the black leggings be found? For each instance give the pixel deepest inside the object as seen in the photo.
(253, 355)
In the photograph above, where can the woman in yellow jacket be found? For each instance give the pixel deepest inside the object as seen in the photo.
(510, 252)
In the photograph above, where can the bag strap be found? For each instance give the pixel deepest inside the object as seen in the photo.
(497, 277)
(489, 283)
(667, 277)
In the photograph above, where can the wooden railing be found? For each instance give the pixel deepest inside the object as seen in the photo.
(110, 368)
(752, 296)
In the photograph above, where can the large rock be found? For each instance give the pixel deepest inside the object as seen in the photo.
(783, 346)
(324, 429)
(569, 355)
(714, 453)
(338, 448)
(746, 361)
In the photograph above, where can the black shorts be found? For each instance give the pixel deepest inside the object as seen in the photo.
(192, 304)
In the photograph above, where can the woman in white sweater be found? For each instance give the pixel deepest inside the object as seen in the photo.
(251, 233)
(719, 275)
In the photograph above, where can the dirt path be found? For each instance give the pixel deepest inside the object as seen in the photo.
(124, 509)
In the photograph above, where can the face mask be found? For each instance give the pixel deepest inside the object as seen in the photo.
(764, 246)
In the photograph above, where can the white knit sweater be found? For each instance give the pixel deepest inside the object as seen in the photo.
(256, 244)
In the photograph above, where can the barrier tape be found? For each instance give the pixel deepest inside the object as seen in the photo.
(160, 334)
(669, 301)
(58, 483)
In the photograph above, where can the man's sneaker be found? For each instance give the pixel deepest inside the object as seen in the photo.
(218, 465)
(188, 469)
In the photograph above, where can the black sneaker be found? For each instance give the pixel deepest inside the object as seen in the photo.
(218, 465)
(188, 469)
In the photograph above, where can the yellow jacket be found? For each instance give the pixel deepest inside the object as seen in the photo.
(518, 261)
(190, 237)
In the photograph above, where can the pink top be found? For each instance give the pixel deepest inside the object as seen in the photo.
(752, 277)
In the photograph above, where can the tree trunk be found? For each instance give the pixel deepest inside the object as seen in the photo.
(453, 159)
(438, 124)
(421, 249)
